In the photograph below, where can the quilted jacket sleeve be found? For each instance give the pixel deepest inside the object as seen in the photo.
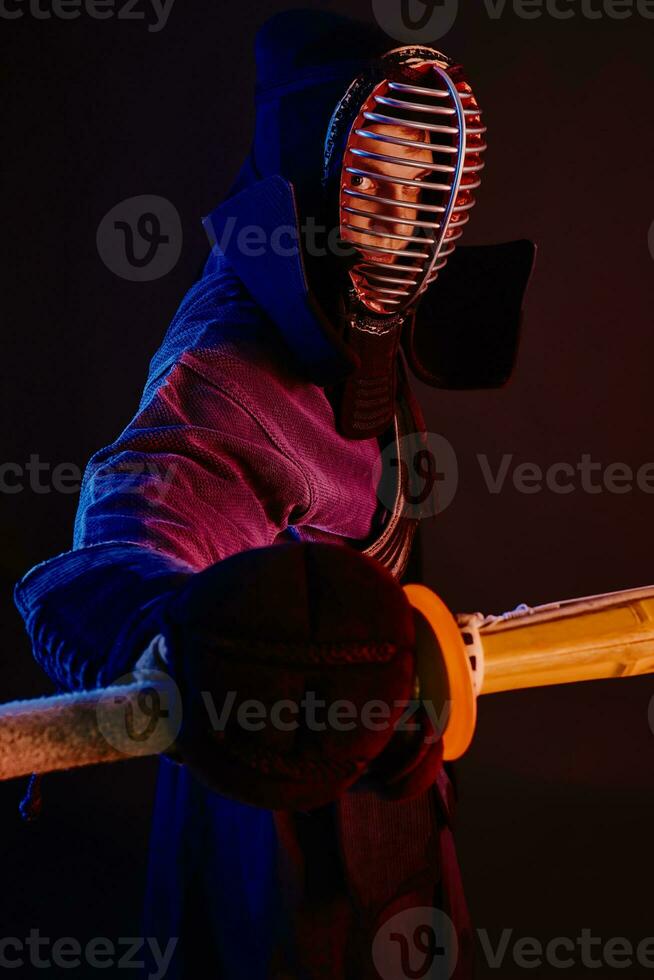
(196, 476)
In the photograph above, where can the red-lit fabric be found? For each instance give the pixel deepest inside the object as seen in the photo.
(230, 450)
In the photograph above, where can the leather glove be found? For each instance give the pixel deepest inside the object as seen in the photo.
(294, 664)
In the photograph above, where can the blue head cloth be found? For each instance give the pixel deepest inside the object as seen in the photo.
(305, 60)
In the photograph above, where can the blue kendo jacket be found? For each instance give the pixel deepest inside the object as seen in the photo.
(229, 450)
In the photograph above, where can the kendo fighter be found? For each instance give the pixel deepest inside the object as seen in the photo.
(236, 535)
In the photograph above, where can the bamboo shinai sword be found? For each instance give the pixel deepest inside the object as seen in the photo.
(459, 659)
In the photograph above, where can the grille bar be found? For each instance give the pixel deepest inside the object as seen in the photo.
(437, 110)
(400, 141)
(392, 218)
(373, 233)
(441, 93)
(410, 123)
(403, 162)
(404, 181)
(361, 195)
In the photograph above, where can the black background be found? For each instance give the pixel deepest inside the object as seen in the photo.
(557, 802)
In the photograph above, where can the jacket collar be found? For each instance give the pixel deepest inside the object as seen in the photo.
(258, 232)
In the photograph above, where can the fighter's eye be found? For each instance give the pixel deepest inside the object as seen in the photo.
(364, 183)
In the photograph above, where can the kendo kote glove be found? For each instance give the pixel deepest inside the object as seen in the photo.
(295, 663)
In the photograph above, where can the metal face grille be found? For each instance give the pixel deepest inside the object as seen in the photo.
(410, 169)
